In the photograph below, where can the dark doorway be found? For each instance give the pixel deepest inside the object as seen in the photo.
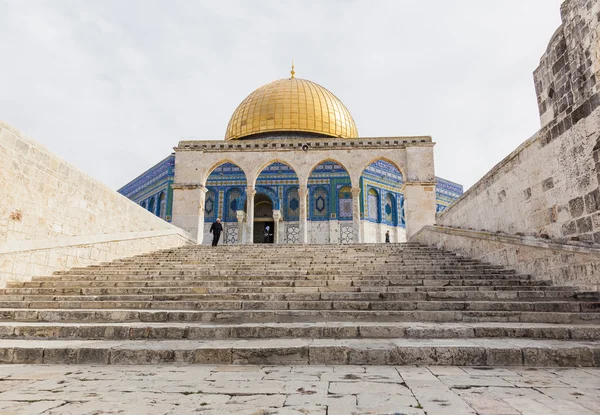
(259, 232)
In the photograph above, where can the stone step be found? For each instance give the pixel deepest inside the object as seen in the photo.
(281, 316)
(148, 288)
(338, 330)
(456, 352)
(225, 305)
(356, 296)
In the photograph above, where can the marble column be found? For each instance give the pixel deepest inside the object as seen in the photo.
(250, 193)
(241, 216)
(276, 219)
(201, 199)
(356, 234)
(303, 195)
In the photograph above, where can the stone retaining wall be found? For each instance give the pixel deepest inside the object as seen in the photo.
(21, 261)
(45, 197)
(539, 188)
(550, 185)
(54, 217)
(574, 264)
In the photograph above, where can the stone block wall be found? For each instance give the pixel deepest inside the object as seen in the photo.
(550, 185)
(567, 81)
(45, 197)
(539, 189)
(53, 216)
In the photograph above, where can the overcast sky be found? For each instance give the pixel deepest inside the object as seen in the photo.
(113, 85)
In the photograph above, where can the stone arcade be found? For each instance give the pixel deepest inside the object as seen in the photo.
(293, 161)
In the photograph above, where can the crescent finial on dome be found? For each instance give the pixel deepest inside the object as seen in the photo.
(293, 72)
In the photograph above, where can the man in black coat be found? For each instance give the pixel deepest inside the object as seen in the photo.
(216, 228)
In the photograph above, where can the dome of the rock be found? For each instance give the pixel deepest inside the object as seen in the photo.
(291, 105)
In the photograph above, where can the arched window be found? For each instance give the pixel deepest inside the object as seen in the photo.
(345, 202)
(233, 204)
(389, 209)
(320, 204)
(373, 204)
(292, 204)
(161, 209)
(143, 204)
(151, 204)
(210, 205)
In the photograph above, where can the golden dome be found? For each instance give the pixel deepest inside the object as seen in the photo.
(291, 104)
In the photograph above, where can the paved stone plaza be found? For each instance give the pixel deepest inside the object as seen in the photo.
(297, 390)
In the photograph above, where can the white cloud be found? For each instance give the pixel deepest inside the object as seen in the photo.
(112, 86)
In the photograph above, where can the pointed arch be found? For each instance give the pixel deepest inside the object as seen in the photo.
(386, 160)
(221, 163)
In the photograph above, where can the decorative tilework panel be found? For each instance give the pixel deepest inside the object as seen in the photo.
(292, 211)
(346, 234)
(345, 202)
(292, 233)
(233, 204)
(320, 203)
(210, 205)
(231, 236)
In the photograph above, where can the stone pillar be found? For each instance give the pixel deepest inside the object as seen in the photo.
(201, 200)
(188, 205)
(303, 195)
(356, 236)
(241, 216)
(276, 219)
(250, 192)
(419, 206)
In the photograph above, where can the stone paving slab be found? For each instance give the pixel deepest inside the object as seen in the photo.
(298, 390)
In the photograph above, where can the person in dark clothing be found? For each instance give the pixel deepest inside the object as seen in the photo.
(216, 228)
(387, 237)
(267, 234)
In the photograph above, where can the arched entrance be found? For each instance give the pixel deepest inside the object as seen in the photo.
(263, 219)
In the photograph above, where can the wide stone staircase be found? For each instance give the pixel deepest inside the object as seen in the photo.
(299, 304)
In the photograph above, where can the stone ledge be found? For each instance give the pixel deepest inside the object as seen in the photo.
(64, 242)
(314, 143)
(563, 264)
(514, 239)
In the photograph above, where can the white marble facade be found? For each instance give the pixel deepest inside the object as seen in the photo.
(412, 156)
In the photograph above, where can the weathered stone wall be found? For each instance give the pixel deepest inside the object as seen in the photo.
(53, 216)
(38, 258)
(539, 189)
(550, 185)
(46, 197)
(567, 81)
(574, 263)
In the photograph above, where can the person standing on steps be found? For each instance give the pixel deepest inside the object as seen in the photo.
(387, 237)
(216, 228)
(267, 234)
